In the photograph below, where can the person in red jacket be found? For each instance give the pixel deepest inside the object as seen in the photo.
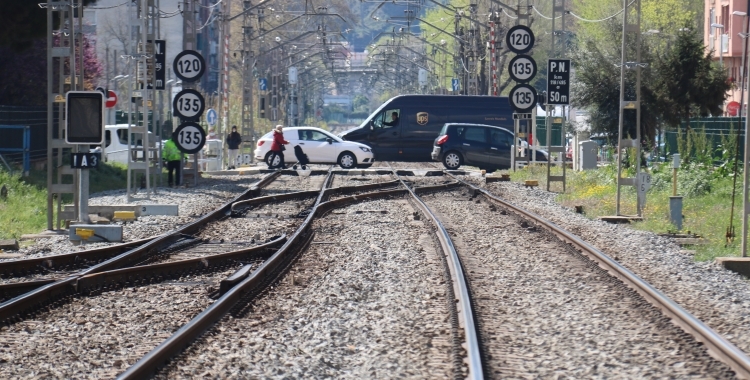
(277, 148)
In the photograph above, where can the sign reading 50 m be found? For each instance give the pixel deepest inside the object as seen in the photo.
(558, 81)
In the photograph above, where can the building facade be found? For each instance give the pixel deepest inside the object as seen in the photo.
(725, 22)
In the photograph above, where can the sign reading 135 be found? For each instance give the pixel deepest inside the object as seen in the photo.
(190, 137)
(189, 104)
(522, 98)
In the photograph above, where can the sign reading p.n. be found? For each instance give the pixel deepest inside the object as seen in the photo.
(422, 118)
(558, 81)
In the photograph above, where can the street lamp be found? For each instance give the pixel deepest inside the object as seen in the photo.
(721, 42)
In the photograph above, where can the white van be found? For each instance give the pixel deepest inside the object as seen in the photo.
(116, 143)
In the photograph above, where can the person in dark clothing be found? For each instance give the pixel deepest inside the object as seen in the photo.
(394, 120)
(277, 147)
(234, 140)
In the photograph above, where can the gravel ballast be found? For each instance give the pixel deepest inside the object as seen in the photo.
(366, 300)
(544, 313)
(718, 297)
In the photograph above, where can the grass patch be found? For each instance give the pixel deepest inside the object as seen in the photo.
(25, 209)
(706, 203)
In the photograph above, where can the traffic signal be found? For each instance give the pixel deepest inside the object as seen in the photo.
(541, 98)
(84, 117)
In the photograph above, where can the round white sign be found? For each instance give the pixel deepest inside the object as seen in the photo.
(189, 65)
(188, 104)
(522, 98)
(522, 68)
(190, 137)
(519, 39)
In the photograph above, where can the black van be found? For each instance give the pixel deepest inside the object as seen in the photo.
(420, 119)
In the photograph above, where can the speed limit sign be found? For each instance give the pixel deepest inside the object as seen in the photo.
(190, 137)
(189, 65)
(522, 98)
(189, 104)
(519, 39)
(522, 68)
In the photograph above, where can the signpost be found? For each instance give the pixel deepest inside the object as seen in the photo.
(160, 62)
(211, 117)
(189, 65)
(456, 84)
(85, 160)
(190, 137)
(111, 99)
(558, 81)
(189, 104)
(522, 68)
(263, 84)
(84, 127)
(522, 98)
(520, 39)
(644, 183)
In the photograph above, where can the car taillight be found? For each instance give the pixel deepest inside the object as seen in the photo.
(260, 142)
(442, 139)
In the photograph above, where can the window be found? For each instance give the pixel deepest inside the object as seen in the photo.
(725, 19)
(501, 138)
(475, 134)
(308, 135)
(386, 119)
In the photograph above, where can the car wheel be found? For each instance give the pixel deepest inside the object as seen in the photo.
(347, 160)
(276, 161)
(452, 160)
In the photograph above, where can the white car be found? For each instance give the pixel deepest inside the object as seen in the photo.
(320, 146)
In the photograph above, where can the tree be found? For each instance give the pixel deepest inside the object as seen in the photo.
(22, 22)
(596, 87)
(25, 73)
(689, 83)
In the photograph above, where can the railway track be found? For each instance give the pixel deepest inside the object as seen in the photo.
(520, 312)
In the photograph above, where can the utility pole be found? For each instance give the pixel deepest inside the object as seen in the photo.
(558, 37)
(224, 78)
(630, 30)
(248, 64)
(189, 43)
(60, 59)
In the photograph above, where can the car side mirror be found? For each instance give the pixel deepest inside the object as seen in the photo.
(330, 140)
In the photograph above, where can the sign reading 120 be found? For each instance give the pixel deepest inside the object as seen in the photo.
(189, 65)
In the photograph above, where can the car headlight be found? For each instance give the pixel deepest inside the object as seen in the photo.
(364, 149)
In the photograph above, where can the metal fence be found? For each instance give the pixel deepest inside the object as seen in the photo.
(12, 141)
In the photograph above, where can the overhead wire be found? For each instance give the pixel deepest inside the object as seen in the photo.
(209, 19)
(111, 7)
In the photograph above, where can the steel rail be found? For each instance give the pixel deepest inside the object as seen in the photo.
(716, 344)
(461, 290)
(173, 269)
(11, 309)
(155, 358)
(191, 331)
(20, 268)
(150, 271)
